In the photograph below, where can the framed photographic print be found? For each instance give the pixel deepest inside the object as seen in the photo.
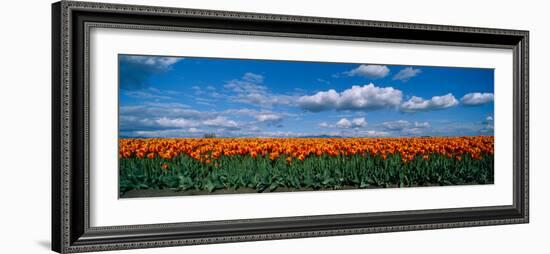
(181, 126)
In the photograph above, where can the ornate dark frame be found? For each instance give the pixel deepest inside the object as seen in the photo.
(71, 22)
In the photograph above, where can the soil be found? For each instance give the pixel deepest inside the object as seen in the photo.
(169, 192)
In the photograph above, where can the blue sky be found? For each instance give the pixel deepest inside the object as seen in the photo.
(163, 96)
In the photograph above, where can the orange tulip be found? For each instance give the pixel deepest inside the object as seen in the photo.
(301, 148)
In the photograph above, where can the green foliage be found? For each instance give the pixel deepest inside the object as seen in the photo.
(314, 173)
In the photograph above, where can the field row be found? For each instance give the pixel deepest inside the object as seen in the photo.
(210, 149)
(247, 174)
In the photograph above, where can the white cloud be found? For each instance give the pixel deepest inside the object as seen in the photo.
(344, 123)
(244, 112)
(404, 124)
(136, 71)
(324, 125)
(140, 94)
(151, 93)
(263, 116)
(373, 133)
(413, 131)
(249, 89)
(249, 83)
(320, 101)
(162, 133)
(265, 99)
(473, 99)
(159, 63)
(422, 125)
(487, 129)
(177, 120)
(221, 122)
(418, 104)
(356, 98)
(252, 77)
(369, 71)
(369, 96)
(280, 134)
(195, 130)
(406, 128)
(396, 125)
(217, 122)
(359, 122)
(166, 104)
(198, 90)
(488, 125)
(406, 74)
(268, 117)
(169, 110)
(253, 128)
(176, 123)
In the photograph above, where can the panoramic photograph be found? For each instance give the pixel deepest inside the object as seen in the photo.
(204, 126)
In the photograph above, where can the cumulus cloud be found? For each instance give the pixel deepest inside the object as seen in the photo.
(489, 118)
(354, 123)
(407, 73)
(343, 123)
(320, 101)
(473, 99)
(418, 104)
(369, 71)
(367, 97)
(135, 71)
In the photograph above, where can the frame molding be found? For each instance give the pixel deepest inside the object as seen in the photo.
(71, 22)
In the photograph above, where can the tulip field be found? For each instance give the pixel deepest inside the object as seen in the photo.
(189, 166)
